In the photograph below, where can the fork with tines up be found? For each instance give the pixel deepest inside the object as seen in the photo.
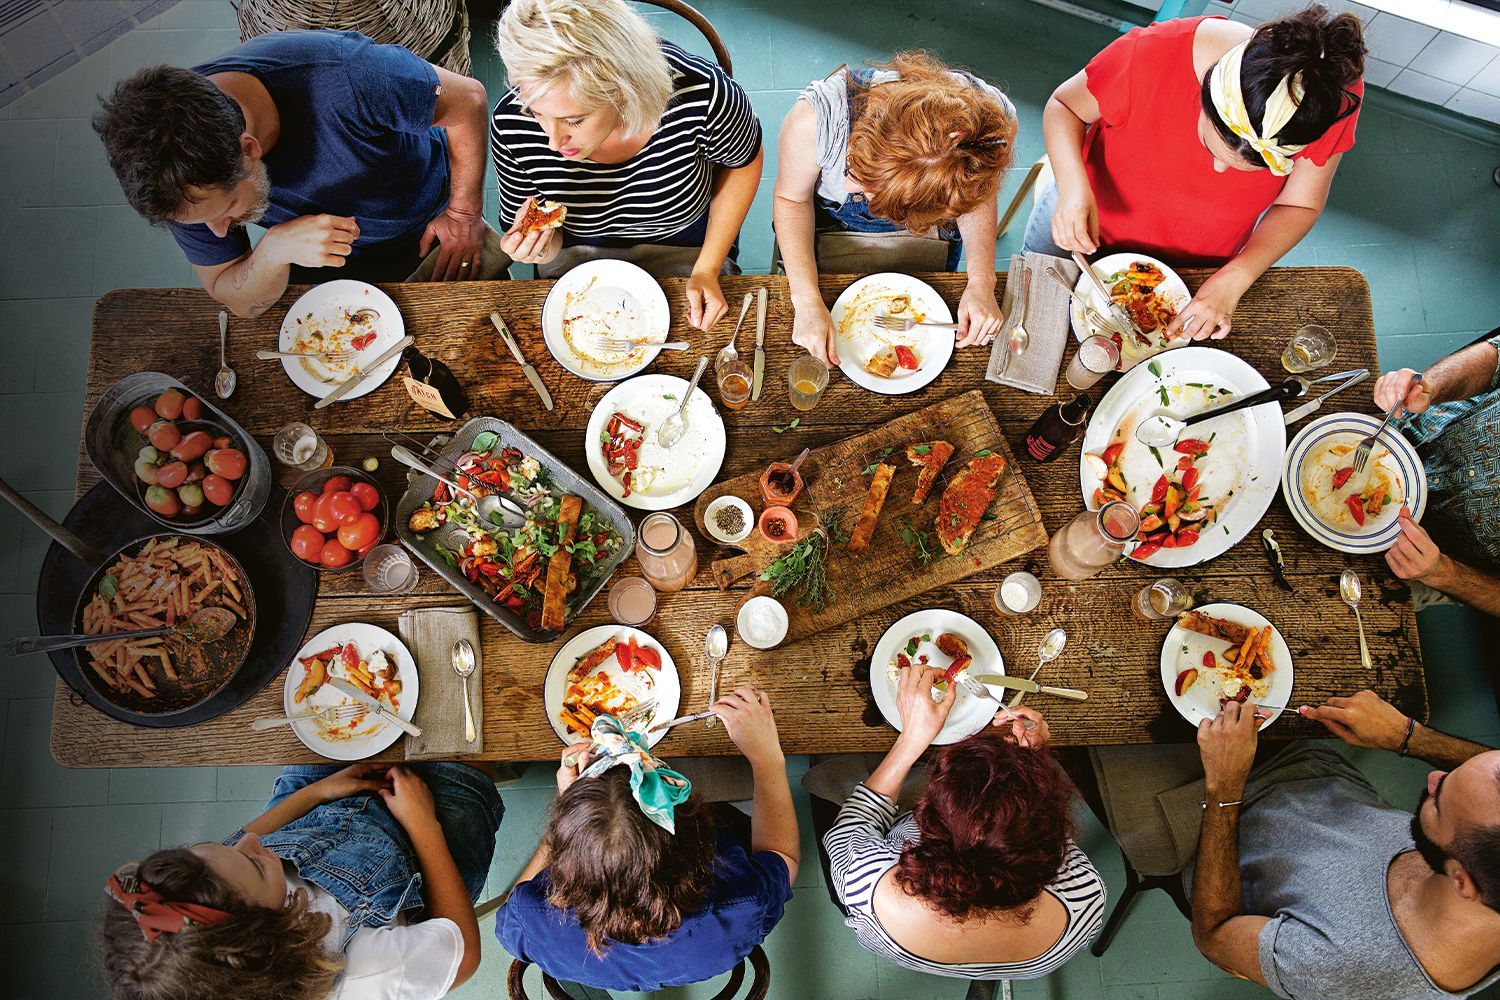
(1362, 453)
(624, 345)
(900, 324)
(975, 689)
(333, 713)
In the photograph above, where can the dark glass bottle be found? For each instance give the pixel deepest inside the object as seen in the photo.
(439, 376)
(1059, 426)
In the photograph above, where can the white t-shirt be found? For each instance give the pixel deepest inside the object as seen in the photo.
(398, 962)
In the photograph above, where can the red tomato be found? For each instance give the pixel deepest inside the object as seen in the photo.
(364, 530)
(142, 417)
(1356, 508)
(364, 551)
(344, 508)
(163, 435)
(163, 501)
(905, 358)
(323, 515)
(303, 505)
(648, 656)
(1186, 537)
(335, 555)
(1148, 547)
(336, 484)
(1159, 491)
(1209, 660)
(1190, 479)
(220, 491)
(223, 441)
(172, 475)
(227, 462)
(307, 543)
(192, 408)
(1341, 476)
(1113, 452)
(349, 655)
(193, 446)
(622, 653)
(169, 405)
(367, 495)
(1191, 446)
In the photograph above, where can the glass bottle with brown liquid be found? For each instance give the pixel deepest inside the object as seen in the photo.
(1057, 427)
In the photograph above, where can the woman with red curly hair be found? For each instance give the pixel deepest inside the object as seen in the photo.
(912, 148)
(982, 879)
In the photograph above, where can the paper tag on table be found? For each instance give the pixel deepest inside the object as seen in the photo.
(426, 396)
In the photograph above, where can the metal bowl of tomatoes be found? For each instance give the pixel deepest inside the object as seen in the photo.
(333, 517)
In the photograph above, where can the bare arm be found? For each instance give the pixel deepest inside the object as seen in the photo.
(773, 822)
(1460, 375)
(1364, 719)
(356, 779)
(1462, 582)
(792, 212)
(463, 112)
(1066, 118)
(978, 313)
(253, 283)
(734, 190)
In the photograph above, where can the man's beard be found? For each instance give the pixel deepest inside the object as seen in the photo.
(261, 178)
(1435, 856)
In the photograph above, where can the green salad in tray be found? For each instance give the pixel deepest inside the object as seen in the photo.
(512, 565)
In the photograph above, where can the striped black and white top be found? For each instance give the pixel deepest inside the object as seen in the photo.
(660, 191)
(867, 841)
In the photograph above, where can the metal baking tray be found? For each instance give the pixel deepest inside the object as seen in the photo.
(420, 491)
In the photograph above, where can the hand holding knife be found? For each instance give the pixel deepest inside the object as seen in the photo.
(527, 368)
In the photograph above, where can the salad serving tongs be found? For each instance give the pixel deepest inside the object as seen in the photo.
(489, 505)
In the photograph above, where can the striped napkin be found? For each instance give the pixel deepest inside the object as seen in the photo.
(1047, 321)
(430, 634)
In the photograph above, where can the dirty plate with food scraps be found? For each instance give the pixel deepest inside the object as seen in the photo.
(1236, 477)
(1393, 476)
(1184, 649)
(860, 340)
(367, 733)
(663, 477)
(605, 298)
(613, 687)
(1172, 293)
(340, 315)
(969, 715)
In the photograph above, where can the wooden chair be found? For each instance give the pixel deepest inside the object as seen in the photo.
(691, 14)
(759, 986)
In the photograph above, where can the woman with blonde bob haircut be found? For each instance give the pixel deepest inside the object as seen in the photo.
(911, 147)
(655, 154)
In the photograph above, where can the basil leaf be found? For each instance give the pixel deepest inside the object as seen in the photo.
(109, 586)
(1154, 369)
(485, 441)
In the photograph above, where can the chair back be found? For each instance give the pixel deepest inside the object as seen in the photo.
(689, 13)
(760, 985)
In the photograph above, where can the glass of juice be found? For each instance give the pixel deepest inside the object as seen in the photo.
(632, 601)
(734, 384)
(806, 379)
(1095, 356)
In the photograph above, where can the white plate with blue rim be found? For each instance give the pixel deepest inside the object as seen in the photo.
(915, 638)
(1393, 477)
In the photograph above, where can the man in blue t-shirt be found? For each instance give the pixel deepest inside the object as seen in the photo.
(352, 155)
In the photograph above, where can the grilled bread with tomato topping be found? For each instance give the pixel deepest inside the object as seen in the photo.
(543, 215)
(560, 579)
(965, 500)
(859, 539)
(930, 457)
(883, 364)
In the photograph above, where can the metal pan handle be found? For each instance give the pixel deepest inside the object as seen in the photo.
(27, 644)
(62, 536)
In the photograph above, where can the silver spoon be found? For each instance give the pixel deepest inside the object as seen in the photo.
(1019, 338)
(487, 506)
(728, 353)
(224, 382)
(675, 426)
(716, 646)
(463, 666)
(204, 626)
(1051, 648)
(1349, 591)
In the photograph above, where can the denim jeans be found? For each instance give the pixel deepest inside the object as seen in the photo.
(356, 851)
(854, 216)
(1038, 238)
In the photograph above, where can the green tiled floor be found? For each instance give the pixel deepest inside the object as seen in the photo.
(1414, 208)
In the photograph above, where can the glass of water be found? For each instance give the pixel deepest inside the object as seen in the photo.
(389, 569)
(299, 446)
(1166, 598)
(1311, 347)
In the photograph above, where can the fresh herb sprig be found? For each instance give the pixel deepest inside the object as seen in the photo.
(803, 569)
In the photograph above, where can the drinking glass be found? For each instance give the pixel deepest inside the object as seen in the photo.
(632, 601)
(1095, 357)
(1311, 347)
(1166, 598)
(1018, 594)
(299, 446)
(806, 378)
(389, 570)
(1093, 540)
(734, 384)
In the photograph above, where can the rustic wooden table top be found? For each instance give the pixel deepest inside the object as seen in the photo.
(817, 686)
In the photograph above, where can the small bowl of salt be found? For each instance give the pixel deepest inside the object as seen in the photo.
(762, 622)
(728, 519)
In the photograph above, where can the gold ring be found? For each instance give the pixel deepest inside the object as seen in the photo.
(463, 264)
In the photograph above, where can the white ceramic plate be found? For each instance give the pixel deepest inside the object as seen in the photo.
(610, 297)
(667, 688)
(1183, 649)
(369, 734)
(969, 715)
(1309, 462)
(324, 310)
(1244, 456)
(1173, 286)
(858, 340)
(677, 474)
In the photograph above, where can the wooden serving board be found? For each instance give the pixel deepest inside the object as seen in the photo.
(890, 571)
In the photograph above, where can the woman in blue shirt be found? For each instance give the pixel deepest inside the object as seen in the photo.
(637, 886)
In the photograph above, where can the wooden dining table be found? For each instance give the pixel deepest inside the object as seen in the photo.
(819, 686)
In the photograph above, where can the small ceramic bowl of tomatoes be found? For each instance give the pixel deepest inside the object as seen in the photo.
(333, 517)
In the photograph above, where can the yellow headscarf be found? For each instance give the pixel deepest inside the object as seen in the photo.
(1229, 101)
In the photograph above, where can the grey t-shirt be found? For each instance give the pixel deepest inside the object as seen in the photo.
(1313, 855)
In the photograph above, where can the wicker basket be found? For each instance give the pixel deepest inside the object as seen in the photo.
(436, 30)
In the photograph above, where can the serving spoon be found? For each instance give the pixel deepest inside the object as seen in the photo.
(1163, 431)
(487, 506)
(202, 627)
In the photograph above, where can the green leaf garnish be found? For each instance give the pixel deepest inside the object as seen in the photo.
(484, 441)
(1154, 369)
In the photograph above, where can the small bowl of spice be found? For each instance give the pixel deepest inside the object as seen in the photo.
(779, 525)
(728, 519)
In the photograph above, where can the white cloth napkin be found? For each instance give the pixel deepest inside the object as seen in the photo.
(1046, 319)
(430, 634)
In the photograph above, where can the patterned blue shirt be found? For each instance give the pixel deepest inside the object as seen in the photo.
(1459, 443)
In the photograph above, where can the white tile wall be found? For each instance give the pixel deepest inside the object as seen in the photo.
(1423, 88)
(1395, 39)
(1475, 105)
(1453, 58)
(1487, 81)
(1379, 73)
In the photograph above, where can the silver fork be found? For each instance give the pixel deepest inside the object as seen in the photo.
(974, 689)
(338, 356)
(333, 713)
(900, 324)
(1362, 453)
(630, 721)
(623, 344)
(1095, 318)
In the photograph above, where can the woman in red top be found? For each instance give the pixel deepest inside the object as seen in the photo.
(1203, 142)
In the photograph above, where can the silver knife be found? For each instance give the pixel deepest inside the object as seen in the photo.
(350, 384)
(342, 685)
(1031, 687)
(1118, 315)
(1354, 378)
(526, 367)
(681, 719)
(760, 343)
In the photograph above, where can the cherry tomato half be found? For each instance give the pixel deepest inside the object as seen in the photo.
(335, 555)
(336, 484)
(304, 504)
(364, 530)
(344, 508)
(307, 543)
(367, 495)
